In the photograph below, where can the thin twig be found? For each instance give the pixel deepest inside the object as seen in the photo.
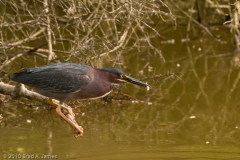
(195, 21)
(120, 43)
(20, 54)
(24, 40)
(51, 54)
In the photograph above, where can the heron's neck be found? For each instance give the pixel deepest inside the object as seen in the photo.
(113, 78)
(109, 76)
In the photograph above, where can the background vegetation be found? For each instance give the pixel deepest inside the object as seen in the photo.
(187, 50)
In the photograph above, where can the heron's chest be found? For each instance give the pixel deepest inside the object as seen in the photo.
(94, 90)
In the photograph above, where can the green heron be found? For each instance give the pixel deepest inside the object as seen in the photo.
(69, 81)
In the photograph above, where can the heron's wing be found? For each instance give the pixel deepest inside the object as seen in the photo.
(54, 80)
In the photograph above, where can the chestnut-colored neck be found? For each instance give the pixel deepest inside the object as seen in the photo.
(107, 74)
(113, 78)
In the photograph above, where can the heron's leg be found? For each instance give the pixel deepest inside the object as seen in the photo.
(50, 101)
(78, 130)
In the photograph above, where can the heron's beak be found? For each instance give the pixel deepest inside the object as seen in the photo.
(128, 79)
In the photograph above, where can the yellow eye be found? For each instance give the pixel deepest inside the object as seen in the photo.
(122, 76)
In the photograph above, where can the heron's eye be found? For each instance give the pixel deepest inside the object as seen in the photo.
(123, 76)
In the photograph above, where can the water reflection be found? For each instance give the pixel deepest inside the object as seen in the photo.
(196, 117)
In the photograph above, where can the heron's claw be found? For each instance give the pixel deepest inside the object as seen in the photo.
(78, 132)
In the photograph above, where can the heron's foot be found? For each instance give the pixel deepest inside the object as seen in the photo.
(71, 112)
(68, 111)
(78, 132)
(76, 129)
(51, 102)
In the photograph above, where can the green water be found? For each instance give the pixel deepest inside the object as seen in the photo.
(193, 115)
